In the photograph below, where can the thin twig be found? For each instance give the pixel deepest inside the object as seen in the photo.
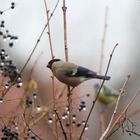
(94, 101)
(40, 36)
(69, 95)
(51, 48)
(103, 40)
(38, 40)
(132, 132)
(114, 131)
(29, 126)
(115, 110)
(102, 124)
(61, 125)
(49, 30)
(52, 55)
(124, 111)
(43, 114)
(64, 8)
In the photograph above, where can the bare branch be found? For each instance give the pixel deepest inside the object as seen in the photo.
(103, 40)
(61, 125)
(119, 118)
(94, 101)
(115, 110)
(64, 8)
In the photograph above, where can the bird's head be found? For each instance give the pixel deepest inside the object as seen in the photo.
(51, 62)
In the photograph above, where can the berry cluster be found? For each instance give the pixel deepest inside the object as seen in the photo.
(8, 134)
(5, 34)
(82, 106)
(74, 116)
(12, 6)
(9, 69)
(30, 135)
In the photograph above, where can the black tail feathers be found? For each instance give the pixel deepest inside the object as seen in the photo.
(102, 77)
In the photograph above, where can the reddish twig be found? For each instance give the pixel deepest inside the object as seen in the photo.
(115, 110)
(64, 8)
(94, 101)
(32, 52)
(124, 111)
(61, 125)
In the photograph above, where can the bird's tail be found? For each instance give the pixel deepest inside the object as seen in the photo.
(102, 77)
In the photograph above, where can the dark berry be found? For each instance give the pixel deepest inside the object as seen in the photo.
(1, 12)
(11, 44)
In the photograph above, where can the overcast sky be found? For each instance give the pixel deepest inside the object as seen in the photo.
(85, 29)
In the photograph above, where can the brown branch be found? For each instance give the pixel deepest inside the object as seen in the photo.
(61, 125)
(102, 124)
(40, 36)
(27, 125)
(38, 40)
(115, 110)
(124, 111)
(69, 95)
(51, 48)
(29, 58)
(49, 30)
(64, 8)
(103, 40)
(52, 55)
(94, 101)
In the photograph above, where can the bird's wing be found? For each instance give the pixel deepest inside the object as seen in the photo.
(70, 73)
(80, 71)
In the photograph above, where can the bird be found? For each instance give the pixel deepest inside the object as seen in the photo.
(72, 74)
(107, 95)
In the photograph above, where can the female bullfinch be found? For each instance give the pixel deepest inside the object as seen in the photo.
(72, 74)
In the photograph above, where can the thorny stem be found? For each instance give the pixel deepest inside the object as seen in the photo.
(115, 110)
(61, 125)
(94, 101)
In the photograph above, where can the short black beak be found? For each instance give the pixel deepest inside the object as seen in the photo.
(48, 66)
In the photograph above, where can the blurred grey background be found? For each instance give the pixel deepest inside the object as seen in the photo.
(85, 21)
